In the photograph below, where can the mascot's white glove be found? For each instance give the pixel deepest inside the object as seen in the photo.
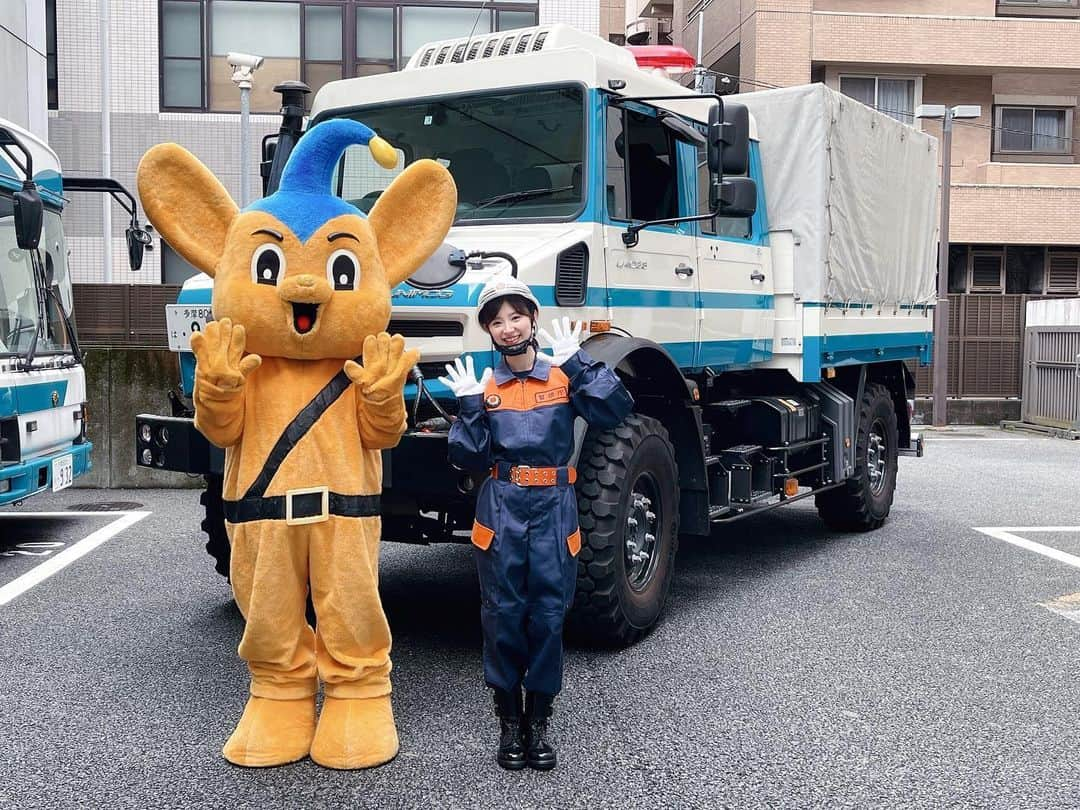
(461, 378)
(565, 342)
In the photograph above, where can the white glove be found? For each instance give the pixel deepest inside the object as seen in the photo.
(461, 378)
(565, 342)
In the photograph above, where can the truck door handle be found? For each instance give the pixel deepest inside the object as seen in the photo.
(684, 270)
(757, 275)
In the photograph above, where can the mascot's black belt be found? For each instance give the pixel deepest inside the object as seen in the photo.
(300, 506)
(304, 505)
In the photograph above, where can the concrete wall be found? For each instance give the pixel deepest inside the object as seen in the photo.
(121, 383)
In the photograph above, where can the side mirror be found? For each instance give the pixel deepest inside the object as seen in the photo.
(443, 268)
(735, 136)
(29, 216)
(137, 242)
(734, 197)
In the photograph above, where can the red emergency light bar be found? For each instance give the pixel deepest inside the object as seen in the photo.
(665, 57)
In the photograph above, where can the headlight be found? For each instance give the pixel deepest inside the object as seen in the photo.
(163, 436)
(145, 433)
(147, 457)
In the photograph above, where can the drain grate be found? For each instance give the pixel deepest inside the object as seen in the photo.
(105, 506)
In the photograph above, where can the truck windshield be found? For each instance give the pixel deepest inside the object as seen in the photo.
(20, 299)
(513, 155)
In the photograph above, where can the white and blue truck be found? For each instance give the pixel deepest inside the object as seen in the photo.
(43, 410)
(757, 268)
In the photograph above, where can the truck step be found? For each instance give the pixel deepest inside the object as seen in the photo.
(718, 511)
(710, 460)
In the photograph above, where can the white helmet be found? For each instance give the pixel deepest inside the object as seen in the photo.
(503, 285)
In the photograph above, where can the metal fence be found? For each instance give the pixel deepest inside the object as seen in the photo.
(1052, 384)
(123, 315)
(986, 336)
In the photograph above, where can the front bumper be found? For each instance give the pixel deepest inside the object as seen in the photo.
(18, 481)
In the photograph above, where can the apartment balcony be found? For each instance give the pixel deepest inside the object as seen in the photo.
(653, 8)
(1014, 209)
(971, 43)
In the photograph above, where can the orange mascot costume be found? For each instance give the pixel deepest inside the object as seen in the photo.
(302, 287)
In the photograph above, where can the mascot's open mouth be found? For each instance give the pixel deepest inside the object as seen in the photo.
(303, 317)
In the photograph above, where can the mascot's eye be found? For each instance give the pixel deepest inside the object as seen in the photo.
(343, 270)
(267, 265)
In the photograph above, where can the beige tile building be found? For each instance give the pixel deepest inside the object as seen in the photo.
(1015, 170)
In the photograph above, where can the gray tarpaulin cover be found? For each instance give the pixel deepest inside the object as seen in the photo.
(857, 188)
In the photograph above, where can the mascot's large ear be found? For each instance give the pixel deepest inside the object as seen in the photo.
(186, 203)
(412, 217)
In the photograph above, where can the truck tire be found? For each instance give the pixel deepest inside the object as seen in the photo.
(213, 523)
(628, 502)
(863, 502)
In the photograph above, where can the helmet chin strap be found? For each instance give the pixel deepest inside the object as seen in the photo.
(518, 348)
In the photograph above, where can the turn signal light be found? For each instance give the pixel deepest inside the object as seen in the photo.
(599, 326)
(791, 487)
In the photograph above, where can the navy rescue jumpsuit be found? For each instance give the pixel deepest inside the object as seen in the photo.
(526, 537)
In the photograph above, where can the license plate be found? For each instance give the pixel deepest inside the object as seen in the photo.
(182, 321)
(63, 472)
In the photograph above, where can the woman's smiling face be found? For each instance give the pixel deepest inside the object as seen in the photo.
(509, 327)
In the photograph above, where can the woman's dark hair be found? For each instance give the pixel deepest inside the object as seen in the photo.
(519, 303)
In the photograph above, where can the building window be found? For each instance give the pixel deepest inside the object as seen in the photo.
(306, 40)
(181, 55)
(50, 54)
(1062, 272)
(986, 271)
(893, 95)
(1035, 130)
(1038, 8)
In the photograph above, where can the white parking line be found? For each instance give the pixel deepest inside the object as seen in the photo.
(1010, 535)
(939, 439)
(69, 555)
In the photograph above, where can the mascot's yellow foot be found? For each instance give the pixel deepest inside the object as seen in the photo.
(355, 733)
(272, 732)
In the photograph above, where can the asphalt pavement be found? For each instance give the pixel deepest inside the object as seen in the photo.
(927, 664)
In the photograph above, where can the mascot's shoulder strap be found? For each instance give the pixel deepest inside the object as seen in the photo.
(296, 430)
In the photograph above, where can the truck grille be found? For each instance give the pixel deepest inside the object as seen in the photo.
(425, 329)
(572, 276)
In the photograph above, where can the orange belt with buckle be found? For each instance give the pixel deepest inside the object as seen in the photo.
(525, 476)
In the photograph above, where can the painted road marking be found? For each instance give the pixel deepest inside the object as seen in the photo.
(1010, 534)
(937, 439)
(40, 573)
(1067, 606)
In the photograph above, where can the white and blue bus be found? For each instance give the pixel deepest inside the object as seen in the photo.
(43, 409)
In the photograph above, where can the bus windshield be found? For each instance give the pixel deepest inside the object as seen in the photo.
(513, 154)
(20, 297)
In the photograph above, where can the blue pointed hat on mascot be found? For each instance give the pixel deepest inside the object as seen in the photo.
(303, 201)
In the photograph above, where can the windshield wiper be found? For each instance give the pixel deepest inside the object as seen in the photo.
(518, 196)
(28, 361)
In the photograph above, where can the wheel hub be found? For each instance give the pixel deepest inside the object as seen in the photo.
(642, 524)
(877, 455)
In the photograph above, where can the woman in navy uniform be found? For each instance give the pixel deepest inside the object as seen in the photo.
(517, 425)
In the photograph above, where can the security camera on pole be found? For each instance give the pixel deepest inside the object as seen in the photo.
(244, 66)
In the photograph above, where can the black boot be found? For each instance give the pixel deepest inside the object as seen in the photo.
(511, 743)
(539, 753)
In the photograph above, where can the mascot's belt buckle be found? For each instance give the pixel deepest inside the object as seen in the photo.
(309, 505)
